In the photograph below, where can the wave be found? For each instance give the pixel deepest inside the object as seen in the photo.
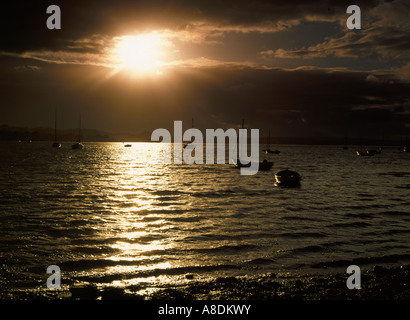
(260, 261)
(167, 193)
(360, 215)
(298, 235)
(297, 218)
(106, 278)
(213, 194)
(227, 248)
(394, 258)
(395, 174)
(86, 264)
(308, 249)
(369, 206)
(185, 219)
(406, 186)
(350, 225)
(94, 250)
(395, 213)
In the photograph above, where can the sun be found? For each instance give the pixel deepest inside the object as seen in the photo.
(141, 53)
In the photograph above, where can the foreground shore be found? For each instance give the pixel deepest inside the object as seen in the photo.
(376, 283)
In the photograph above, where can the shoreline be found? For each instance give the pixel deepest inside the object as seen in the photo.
(377, 283)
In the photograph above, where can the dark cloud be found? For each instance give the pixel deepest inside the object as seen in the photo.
(302, 102)
(382, 42)
(384, 34)
(24, 22)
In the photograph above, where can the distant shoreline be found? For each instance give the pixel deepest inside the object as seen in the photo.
(9, 133)
(262, 144)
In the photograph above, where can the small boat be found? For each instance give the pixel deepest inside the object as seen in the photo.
(268, 150)
(405, 147)
(368, 153)
(265, 165)
(78, 144)
(238, 164)
(55, 144)
(190, 145)
(271, 151)
(127, 145)
(288, 178)
(373, 152)
(364, 153)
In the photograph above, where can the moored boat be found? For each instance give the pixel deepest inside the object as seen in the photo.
(288, 178)
(78, 144)
(55, 144)
(268, 150)
(265, 165)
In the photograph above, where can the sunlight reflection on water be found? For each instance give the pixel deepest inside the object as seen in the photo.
(107, 210)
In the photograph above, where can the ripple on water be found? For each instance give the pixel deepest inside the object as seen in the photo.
(105, 214)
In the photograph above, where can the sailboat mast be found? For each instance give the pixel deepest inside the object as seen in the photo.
(55, 125)
(79, 130)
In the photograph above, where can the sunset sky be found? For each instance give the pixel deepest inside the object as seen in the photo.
(133, 66)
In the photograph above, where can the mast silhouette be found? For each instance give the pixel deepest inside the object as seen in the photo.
(55, 144)
(78, 144)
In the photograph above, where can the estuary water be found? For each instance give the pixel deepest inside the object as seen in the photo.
(109, 217)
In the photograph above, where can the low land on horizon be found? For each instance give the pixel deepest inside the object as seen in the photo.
(9, 133)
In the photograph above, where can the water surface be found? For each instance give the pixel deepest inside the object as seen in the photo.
(107, 216)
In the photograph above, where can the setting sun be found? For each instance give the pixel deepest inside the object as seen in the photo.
(140, 53)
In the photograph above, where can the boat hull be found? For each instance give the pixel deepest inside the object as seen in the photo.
(368, 153)
(288, 178)
(265, 166)
(77, 146)
(271, 151)
(239, 164)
